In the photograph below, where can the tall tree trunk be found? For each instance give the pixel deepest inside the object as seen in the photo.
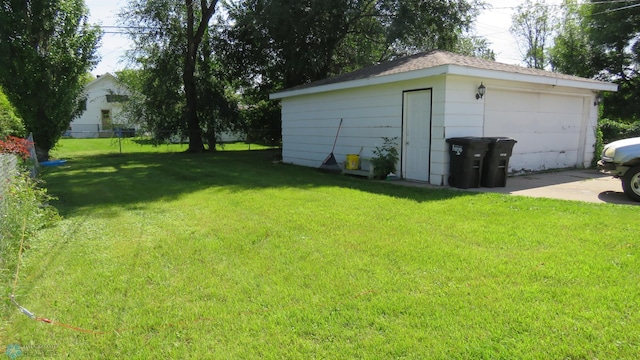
(194, 38)
(190, 111)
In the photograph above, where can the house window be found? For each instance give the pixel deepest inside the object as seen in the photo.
(82, 105)
(113, 98)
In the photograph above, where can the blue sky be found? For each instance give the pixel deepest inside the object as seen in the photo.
(492, 23)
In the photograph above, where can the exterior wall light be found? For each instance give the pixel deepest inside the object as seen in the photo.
(598, 99)
(481, 91)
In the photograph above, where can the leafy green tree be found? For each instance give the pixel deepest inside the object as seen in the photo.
(180, 88)
(283, 43)
(46, 47)
(613, 32)
(532, 25)
(571, 52)
(10, 123)
(197, 24)
(274, 44)
(474, 46)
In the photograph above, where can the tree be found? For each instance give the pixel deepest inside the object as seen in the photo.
(571, 52)
(276, 44)
(474, 46)
(181, 91)
(194, 36)
(46, 47)
(532, 26)
(613, 33)
(10, 123)
(290, 42)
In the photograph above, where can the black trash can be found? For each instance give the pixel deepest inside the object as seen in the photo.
(496, 162)
(465, 166)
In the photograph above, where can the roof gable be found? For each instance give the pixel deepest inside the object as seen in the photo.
(102, 80)
(438, 62)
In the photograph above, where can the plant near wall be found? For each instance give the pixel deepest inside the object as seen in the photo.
(385, 158)
(16, 146)
(23, 211)
(23, 204)
(598, 147)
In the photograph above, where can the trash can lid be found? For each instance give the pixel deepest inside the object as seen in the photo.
(500, 139)
(467, 140)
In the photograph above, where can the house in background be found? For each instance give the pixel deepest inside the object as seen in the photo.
(424, 99)
(102, 109)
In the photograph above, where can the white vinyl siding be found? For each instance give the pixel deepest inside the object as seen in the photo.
(553, 125)
(310, 122)
(103, 94)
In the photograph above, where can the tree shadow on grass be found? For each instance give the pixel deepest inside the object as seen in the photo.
(130, 180)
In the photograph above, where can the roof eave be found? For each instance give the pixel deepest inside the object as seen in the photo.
(375, 80)
(579, 83)
(450, 70)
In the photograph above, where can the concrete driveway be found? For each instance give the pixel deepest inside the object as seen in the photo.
(580, 185)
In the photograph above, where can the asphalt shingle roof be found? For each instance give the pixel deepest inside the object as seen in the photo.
(433, 59)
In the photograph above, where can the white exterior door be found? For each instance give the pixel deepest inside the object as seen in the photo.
(417, 135)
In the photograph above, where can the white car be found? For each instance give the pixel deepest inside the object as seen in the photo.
(621, 159)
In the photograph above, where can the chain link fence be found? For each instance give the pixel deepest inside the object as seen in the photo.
(8, 167)
(122, 139)
(265, 137)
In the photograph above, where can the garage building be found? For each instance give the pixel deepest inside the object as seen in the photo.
(424, 99)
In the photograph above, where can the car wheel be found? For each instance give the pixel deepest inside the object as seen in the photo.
(631, 183)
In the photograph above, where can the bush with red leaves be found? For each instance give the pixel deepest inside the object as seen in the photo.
(17, 146)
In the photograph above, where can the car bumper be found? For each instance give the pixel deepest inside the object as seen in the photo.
(609, 168)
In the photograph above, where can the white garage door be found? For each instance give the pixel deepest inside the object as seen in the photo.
(549, 128)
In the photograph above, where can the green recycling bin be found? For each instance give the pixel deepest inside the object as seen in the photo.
(496, 162)
(466, 157)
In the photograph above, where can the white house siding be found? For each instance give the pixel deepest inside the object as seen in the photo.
(89, 123)
(310, 122)
(461, 116)
(551, 125)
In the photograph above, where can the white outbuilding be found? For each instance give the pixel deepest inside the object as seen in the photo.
(424, 99)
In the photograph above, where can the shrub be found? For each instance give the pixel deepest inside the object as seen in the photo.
(613, 130)
(10, 123)
(599, 146)
(385, 158)
(16, 146)
(23, 210)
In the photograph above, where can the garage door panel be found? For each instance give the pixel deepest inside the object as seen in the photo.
(555, 142)
(560, 104)
(539, 161)
(508, 122)
(547, 127)
(561, 120)
(532, 122)
(511, 101)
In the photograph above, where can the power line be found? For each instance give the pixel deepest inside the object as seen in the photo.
(561, 5)
(617, 9)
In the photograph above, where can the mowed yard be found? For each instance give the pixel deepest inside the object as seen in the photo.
(229, 255)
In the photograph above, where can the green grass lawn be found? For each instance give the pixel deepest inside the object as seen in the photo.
(232, 256)
(121, 146)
